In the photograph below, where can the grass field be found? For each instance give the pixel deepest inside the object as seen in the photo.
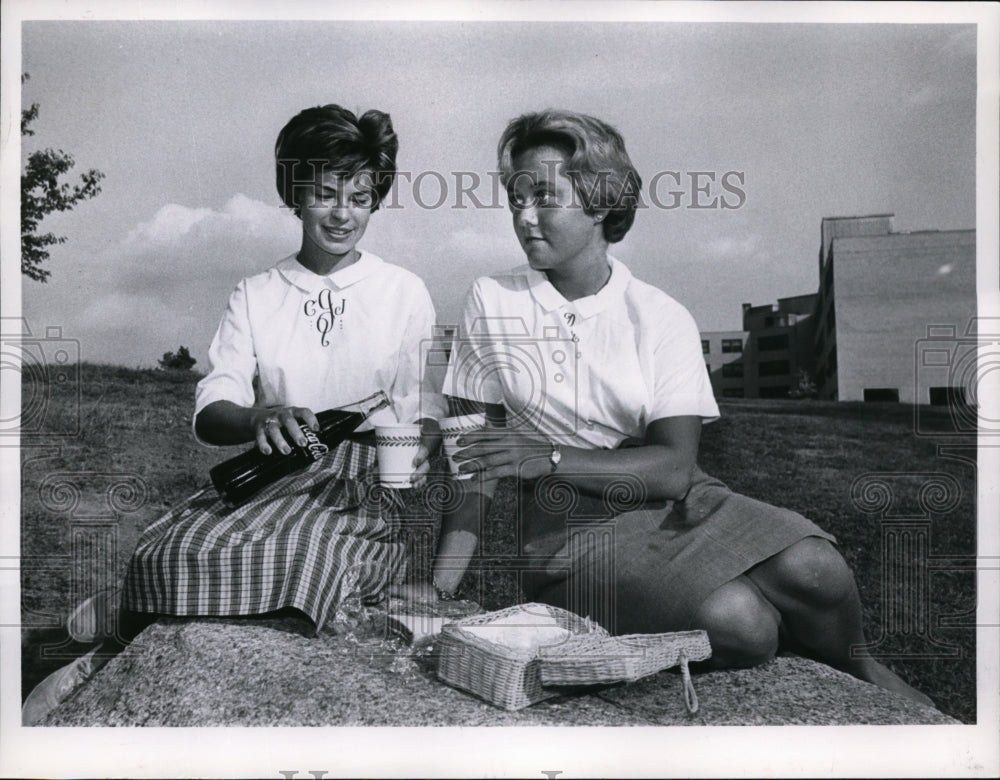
(108, 449)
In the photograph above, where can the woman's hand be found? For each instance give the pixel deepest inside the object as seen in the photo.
(430, 441)
(497, 453)
(276, 427)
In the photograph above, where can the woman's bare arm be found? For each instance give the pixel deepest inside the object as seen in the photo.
(664, 462)
(223, 423)
(461, 527)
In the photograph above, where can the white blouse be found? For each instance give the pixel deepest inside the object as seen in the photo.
(291, 337)
(589, 372)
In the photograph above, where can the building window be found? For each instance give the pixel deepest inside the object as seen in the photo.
(770, 343)
(704, 346)
(947, 396)
(773, 368)
(769, 322)
(732, 392)
(732, 345)
(882, 395)
(732, 370)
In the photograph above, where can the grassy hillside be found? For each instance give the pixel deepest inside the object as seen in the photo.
(111, 449)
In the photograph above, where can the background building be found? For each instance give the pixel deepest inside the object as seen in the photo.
(883, 293)
(765, 359)
(724, 352)
(893, 320)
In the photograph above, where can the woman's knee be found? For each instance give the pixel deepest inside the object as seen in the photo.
(811, 570)
(742, 625)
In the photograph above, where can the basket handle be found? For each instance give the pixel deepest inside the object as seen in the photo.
(690, 697)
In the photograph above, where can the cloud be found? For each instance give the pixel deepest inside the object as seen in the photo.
(240, 218)
(165, 283)
(170, 224)
(726, 247)
(182, 246)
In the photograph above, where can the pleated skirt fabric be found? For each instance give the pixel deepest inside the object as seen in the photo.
(310, 541)
(646, 568)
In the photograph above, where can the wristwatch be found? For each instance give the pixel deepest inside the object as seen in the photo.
(554, 457)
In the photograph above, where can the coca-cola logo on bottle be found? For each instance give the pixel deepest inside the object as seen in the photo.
(314, 446)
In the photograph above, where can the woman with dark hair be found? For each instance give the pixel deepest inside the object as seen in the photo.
(327, 326)
(598, 384)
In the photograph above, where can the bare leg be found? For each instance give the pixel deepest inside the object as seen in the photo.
(742, 625)
(811, 586)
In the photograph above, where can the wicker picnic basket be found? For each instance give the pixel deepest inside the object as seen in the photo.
(591, 660)
(514, 678)
(504, 676)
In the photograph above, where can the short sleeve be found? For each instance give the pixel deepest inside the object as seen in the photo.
(232, 361)
(681, 386)
(416, 391)
(471, 371)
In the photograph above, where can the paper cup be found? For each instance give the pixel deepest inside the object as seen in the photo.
(451, 429)
(397, 446)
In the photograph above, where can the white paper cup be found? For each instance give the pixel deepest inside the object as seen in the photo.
(451, 429)
(397, 446)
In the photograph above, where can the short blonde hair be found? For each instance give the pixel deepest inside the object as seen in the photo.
(597, 162)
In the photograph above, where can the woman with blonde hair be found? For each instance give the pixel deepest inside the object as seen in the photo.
(615, 518)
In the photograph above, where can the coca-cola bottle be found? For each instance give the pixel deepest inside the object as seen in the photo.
(239, 479)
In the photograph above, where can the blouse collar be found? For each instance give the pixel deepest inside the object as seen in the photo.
(308, 281)
(549, 298)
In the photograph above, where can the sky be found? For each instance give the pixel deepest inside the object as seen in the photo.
(802, 121)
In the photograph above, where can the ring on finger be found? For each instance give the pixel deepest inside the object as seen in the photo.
(270, 421)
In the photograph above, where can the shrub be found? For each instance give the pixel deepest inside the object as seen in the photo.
(804, 386)
(181, 361)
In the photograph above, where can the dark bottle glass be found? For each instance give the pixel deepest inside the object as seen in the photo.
(239, 479)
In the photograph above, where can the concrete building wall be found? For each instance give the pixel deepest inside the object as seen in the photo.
(887, 292)
(727, 369)
(780, 343)
(850, 227)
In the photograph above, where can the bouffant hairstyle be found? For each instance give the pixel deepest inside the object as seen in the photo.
(331, 138)
(597, 163)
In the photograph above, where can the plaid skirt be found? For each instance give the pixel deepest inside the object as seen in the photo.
(309, 541)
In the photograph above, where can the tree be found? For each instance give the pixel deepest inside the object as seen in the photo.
(42, 193)
(804, 386)
(181, 361)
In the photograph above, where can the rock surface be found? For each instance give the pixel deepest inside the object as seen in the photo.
(257, 672)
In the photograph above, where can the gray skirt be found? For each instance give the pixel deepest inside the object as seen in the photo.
(637, 567)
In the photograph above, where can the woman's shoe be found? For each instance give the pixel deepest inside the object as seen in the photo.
(56, 688)
(95, 618)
